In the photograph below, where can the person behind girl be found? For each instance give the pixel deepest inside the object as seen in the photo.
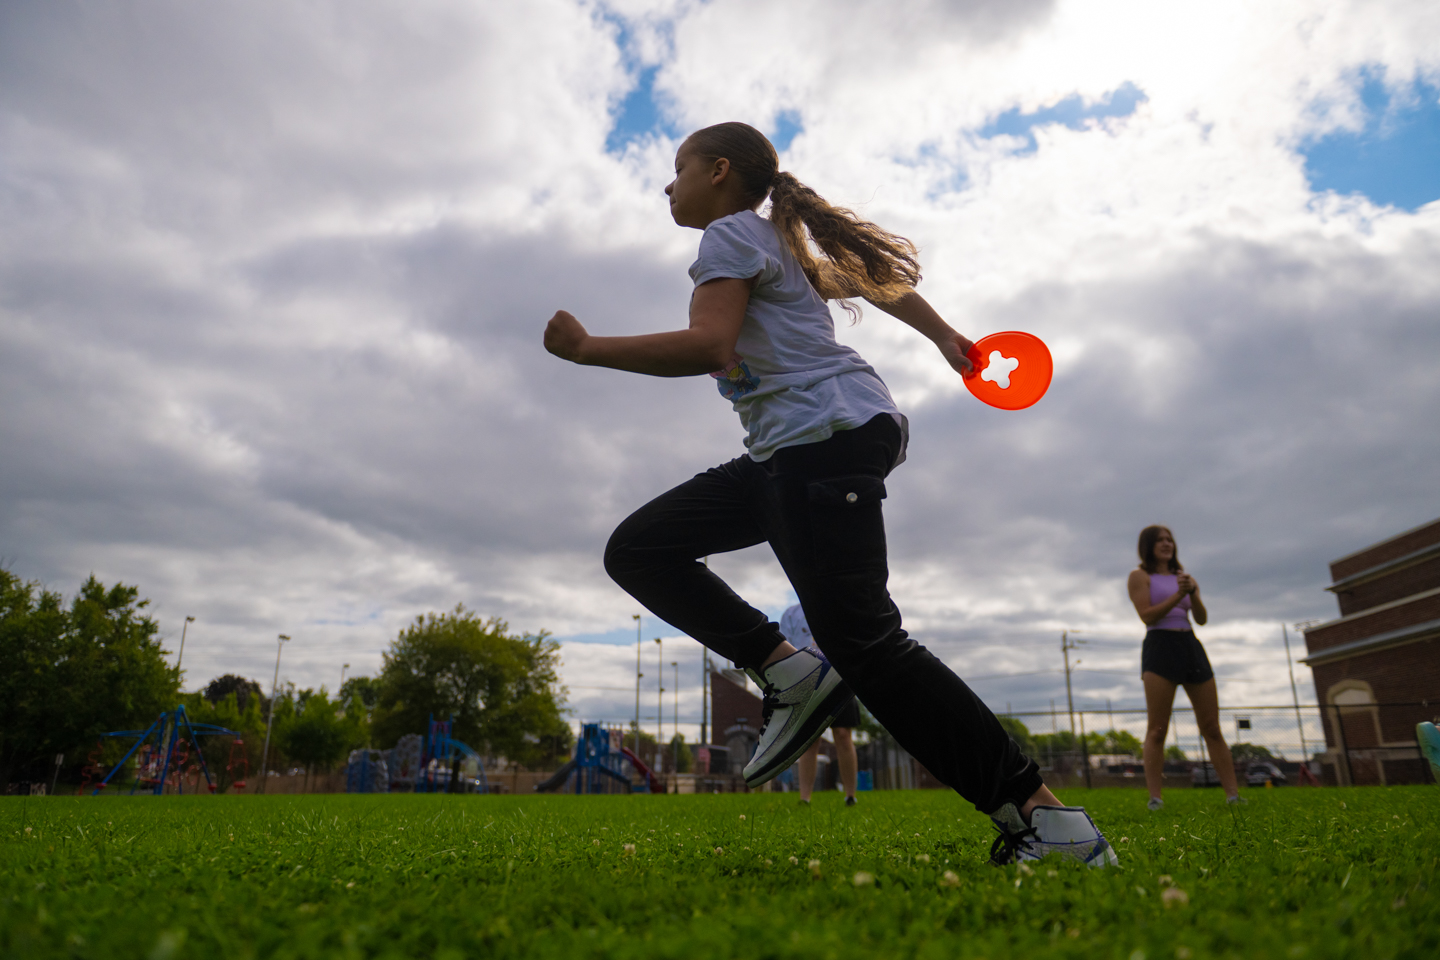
(796, 630)
(822, 434)
(1165, 595)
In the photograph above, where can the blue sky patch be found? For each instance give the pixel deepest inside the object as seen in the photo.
(1395, 159)
(1072, 112)
(786, 128)
(639, 114)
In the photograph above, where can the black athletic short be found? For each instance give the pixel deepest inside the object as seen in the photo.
(848, 717)
(1175, 655)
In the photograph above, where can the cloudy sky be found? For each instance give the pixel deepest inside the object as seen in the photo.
(273, 278)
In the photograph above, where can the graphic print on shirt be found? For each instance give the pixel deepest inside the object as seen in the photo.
(736, 380)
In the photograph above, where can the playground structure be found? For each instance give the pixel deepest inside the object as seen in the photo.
(448, 765)
(597, 768)
(434, 763)
(166, 757)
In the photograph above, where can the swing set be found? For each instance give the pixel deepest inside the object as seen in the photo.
(162, 755)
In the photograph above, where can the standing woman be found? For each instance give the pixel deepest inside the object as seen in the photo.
(822, 434)
(1165, 595)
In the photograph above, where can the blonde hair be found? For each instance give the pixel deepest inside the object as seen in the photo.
(856, 258)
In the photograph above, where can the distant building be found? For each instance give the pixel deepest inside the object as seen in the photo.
(1377, 666)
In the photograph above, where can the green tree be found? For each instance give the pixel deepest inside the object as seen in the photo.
(678, 756)
(316, 736)
(1176, 754)
(503, 691)
(366, 688)
(1244, 752)
(1019, 733)
(1113, 742)
(68, 675)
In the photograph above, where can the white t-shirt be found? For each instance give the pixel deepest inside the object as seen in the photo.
(794, 628)
(789, 380)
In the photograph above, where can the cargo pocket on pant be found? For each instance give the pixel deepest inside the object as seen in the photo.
(847, 526)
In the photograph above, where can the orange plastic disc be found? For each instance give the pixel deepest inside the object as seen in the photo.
(1012, 370)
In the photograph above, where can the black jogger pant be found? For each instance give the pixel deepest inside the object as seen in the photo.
(818, 506)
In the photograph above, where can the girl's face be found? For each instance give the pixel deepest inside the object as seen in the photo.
(1164, 546)
(692, 192)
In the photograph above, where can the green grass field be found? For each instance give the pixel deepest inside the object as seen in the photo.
(1298, 873)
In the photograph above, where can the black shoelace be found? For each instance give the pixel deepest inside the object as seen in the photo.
(1008, 844)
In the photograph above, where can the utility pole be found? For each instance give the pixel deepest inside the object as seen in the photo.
(183, 628)
(1066, 645)
(1294, 692)
(675, 716)
(274, 689)
(638, 675)
(343, 668)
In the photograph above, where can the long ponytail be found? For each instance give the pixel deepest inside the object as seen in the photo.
(856, 258)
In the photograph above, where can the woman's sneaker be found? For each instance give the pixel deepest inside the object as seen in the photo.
(1155, 804)
(803, 693)
(1068, 831)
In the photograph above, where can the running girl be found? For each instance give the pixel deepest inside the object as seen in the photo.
(822, 435)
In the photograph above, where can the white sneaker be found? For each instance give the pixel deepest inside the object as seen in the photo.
(1068, 831)
(803, 693)
(1155, 803)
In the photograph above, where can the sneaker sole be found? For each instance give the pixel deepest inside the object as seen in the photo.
(811, 729)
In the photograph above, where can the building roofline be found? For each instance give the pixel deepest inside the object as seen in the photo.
(1370, 611)
(1380, 641)
(1381, 569)
(1380, 543)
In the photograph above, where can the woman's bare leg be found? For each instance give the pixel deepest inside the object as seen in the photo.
(845, 757)
(1206, 701)
(1159, 702)
(808, 761)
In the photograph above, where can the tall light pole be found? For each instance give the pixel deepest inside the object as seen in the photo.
(343, 668)
(1066, 645)
(638, 675)
(274, 688)
(659, 697)
(675, 716)
(186, 626)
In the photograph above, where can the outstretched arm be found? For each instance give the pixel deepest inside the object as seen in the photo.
(717, 311)
(913, 311)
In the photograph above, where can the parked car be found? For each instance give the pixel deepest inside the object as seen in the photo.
(1204, 775)
(1262, 771)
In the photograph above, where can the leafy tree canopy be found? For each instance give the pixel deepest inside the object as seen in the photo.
(68, 674)
(502, 690)
(1243, 752)
(244, 690)
(366, 688)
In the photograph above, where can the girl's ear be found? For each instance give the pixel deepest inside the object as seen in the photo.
(719, 171)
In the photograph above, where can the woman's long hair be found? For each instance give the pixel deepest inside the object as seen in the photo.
(1146, 548)
(857, 258)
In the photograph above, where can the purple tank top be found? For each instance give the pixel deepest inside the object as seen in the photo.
(1162, 588)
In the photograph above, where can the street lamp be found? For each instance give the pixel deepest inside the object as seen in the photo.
(343, 668)
(638, 675)
(675, 716)
(274, 688)
(186, 626)
(659, 698)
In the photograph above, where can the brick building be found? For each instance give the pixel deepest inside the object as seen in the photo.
(1377, 666)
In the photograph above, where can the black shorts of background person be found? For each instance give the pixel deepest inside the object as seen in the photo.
(1176, 655)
